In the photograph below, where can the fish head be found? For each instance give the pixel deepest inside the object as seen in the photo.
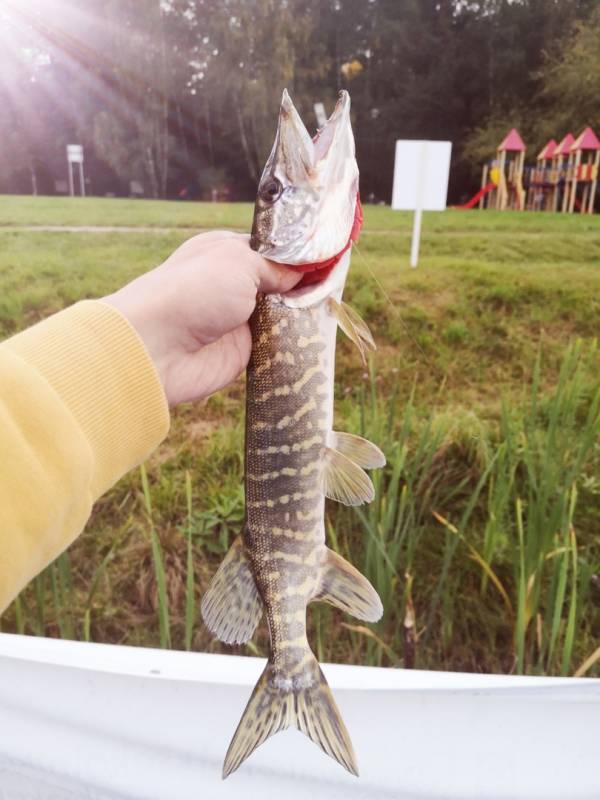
(307, 196)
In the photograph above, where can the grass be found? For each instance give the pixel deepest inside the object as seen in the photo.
(21, 210)
(483, 538)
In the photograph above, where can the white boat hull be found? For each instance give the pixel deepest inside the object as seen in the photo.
(99, 721)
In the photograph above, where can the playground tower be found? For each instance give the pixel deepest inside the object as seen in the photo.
(511, 160)
(582, 173)
(559, 171)
(539, 196)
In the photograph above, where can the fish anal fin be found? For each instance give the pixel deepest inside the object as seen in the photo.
(357, 449)
(279, 701)
(343, 480)
(343, 586)
(354, 326)
(232, 606)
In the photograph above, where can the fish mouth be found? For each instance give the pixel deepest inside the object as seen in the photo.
(310, 220)
(338, 121)
(323, 283)
(320, 271)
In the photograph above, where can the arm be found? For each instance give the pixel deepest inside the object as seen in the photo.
(84, 394)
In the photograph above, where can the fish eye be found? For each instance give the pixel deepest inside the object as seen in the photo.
(271, 190)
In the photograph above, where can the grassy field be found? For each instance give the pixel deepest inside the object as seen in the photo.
(484, 539)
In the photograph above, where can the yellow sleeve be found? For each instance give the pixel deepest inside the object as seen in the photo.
(80, 405)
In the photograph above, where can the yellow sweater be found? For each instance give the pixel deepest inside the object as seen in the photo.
(80, 405)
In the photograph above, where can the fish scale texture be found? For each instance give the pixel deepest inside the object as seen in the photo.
(289, 394)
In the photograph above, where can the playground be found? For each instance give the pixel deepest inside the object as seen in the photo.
(563, 179)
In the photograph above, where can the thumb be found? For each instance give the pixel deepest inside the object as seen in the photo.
(272, 278)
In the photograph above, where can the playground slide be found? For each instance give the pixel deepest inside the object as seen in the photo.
(477, 197)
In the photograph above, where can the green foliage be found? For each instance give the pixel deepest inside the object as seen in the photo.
(185, 92)
(513, 491)
(570, 79)
(159, 567)
(556, 91)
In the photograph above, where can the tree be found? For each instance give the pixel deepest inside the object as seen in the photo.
(571, 77)
(172, 92)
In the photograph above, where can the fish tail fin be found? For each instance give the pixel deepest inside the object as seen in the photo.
(278, 702)
(318, 716)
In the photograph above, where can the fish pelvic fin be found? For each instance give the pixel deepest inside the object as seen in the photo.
(343, 586)
(232, 606)
(279, 702)
(357, 449)
(343, 480)
(354, 326)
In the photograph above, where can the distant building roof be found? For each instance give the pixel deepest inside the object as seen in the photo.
(512, 142)
(587, 140)
(564, 146)
(547, 151)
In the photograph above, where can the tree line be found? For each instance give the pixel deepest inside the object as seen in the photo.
(180, 97)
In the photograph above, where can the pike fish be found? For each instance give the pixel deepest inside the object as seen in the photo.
(307, 213)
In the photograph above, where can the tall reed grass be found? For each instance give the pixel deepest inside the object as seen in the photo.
(482, 540)
(500, 499)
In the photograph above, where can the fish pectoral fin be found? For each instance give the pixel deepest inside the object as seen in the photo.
(343, 480)
(343, 586)
(361, 451)
(232, 606)
(354, 326)
(279, 701)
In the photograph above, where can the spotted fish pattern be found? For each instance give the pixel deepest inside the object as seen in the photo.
(281, 562)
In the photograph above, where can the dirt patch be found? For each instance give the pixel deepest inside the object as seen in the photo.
(202, 429)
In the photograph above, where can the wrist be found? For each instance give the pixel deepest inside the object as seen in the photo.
(140, 310)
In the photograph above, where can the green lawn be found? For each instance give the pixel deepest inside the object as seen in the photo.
(461, 334)
(18, 210)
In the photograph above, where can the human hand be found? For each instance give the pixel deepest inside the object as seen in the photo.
(192, 311)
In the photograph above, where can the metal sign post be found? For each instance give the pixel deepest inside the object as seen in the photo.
(421, 172)
(75, 156)
(421, 177)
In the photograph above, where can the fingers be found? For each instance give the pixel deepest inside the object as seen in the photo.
(274, 278)
(210, 237)
(198, 374)
(197, 245)
(268, 277)
(232, 251)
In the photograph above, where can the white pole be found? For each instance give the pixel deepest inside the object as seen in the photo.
(416, 237)
(81, 181)
(71, 189)
(416, 234)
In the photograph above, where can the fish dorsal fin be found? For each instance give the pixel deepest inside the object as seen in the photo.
(344, 587)
(343, 480)
(232, 607)
(361, 451)
(354, 326)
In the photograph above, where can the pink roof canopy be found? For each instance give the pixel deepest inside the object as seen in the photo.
(547, 151)
(587, 140)
(512, 142)
(564, 146)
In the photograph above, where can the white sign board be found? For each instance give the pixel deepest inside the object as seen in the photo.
(421, 170)
(75, 153)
